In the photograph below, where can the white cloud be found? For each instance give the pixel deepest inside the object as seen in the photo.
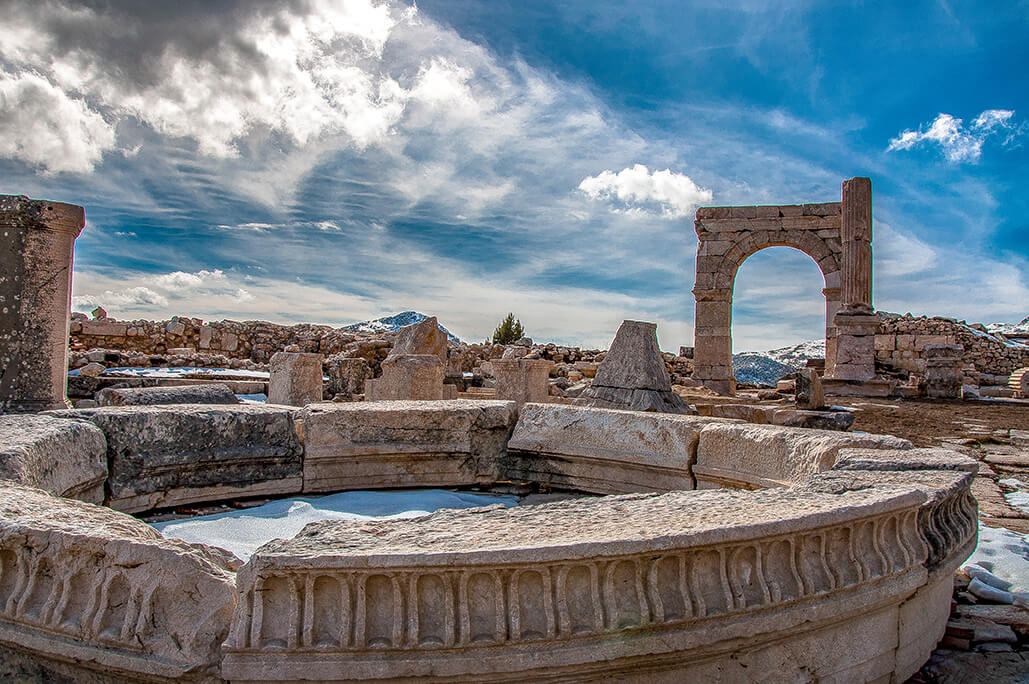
(637, 190)
(178, 281)
(46, 128)
(959, 143)
(129, 298)
(900, 254)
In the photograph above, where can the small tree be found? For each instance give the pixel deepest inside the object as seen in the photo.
(508, 331)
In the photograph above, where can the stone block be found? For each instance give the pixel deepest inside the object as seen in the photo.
(180, 394)
(714, 247)
(175, 328)
(750, 413)
(602, 451)
(347, 375)
(822, 209)
(747, 456)
(87, 585)
(229, 342)
(791, 210)
(922, 340)
(905, 459)
(906, 342)
(105, 328)
(206, 335)
(885, 342)
(713, 212)
(404, 443)
(522, 380)
(408, 377)
(814, 420)
(423, 337)
(63, 457)
(295, 378)
(714, 314)
(160, 456)
(808, 390)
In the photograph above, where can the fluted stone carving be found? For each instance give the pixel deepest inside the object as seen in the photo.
(85, 584)
(437, 586)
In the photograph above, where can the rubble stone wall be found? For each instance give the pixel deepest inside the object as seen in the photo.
(901, 340)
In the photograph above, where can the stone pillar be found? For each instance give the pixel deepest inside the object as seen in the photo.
(855, 346)
(35, 300)
(296, 378)
(407, 376)
(712, 341)
(522, 380)
(943, 376)
(856, 322)
(856, 235)
(832, 307)
(809, 389)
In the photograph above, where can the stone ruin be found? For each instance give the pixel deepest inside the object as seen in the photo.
(804, 539)
(632, 375)
(415, 367)
(837, 235)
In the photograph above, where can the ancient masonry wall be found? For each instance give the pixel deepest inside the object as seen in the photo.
(900, 343)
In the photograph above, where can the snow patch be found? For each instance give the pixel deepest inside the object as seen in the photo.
(395, 322)
(1004, 554)
(243, 531)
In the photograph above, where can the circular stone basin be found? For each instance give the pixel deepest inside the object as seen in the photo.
(837, 567)
(242, 531)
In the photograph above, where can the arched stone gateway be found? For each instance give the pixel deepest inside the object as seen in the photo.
(837, 235)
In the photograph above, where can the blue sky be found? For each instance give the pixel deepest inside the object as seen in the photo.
(335, 161)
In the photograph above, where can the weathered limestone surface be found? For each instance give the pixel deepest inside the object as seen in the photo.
(633, 375)
(943, 374)
(408, 377)
(101, 590)
(808, 390)
(423, 337)
(162, 456)
(522, 380)
(65, 458)
(603, 451)
(347, 376)
(404, 443)
(753, 456)
(587, 587)
(905, 459)
(35, 295)
(816, 420)
(181, 394)
(295, 378)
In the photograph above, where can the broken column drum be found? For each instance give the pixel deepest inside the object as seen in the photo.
(836, 235)
(35, 298)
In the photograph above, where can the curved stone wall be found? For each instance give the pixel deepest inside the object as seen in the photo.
(854, 544)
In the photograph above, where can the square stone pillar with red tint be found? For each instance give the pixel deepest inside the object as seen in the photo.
(35, 301)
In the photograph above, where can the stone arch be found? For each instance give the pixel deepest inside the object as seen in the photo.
(729, 235)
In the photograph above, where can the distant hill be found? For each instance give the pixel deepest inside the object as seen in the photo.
(395, 322)
(1020, 328)
(765, 368)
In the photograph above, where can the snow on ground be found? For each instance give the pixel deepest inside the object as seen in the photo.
(243, 531)
(1020, 497)
(179, 371)
(252, 398)
(1004, 554)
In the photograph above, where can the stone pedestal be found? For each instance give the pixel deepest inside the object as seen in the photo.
(855, 345)
(943, 376)
(296, 378)
(522, 380)
(407, 376)
(35, 297)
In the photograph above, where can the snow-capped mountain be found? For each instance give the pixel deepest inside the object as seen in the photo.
(767, 367)
(395, 322)
(1020, 328)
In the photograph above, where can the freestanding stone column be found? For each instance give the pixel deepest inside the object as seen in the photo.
(522, 380)
(295, 378)
(856, 321)
(35, 300)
